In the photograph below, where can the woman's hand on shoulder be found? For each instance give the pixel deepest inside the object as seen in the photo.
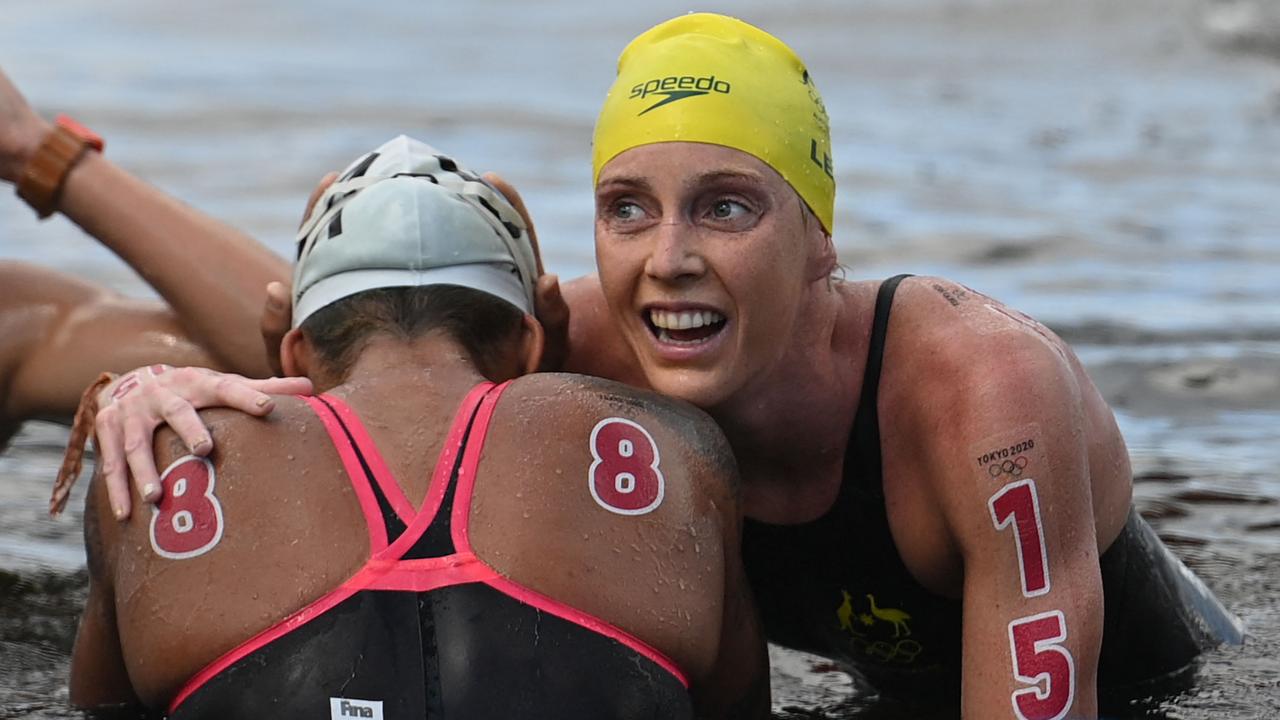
(135, 404)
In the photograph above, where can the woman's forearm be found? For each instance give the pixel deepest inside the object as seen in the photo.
(211, 274)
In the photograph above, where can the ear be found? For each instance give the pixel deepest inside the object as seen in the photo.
(532, 343)
(822, 255)
(509, 192)
(297, 358)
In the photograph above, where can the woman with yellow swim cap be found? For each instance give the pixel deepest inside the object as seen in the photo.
(937, 496)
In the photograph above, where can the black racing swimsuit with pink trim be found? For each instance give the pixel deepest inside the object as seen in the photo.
(426, 629)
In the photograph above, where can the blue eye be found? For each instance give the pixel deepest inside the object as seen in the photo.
(727, 210)
(627, 211)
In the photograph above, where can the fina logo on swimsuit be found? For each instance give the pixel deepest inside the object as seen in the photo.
(342, 708)
(677, 87)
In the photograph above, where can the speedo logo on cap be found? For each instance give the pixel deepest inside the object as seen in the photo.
(677, 87)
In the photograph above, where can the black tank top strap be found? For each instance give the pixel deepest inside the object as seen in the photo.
(864, 445)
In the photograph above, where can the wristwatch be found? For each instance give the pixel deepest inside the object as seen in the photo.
(41, 181)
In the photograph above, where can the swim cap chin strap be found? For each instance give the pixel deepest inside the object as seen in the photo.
(713, 79)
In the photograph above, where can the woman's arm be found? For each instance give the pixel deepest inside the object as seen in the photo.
(212, 275)
(61, 331)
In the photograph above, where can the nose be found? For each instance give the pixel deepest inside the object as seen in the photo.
(674, 256)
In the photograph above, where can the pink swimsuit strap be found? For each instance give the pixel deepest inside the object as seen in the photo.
(385, 569)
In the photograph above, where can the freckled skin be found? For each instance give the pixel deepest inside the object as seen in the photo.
(708, 241)
(784, 383)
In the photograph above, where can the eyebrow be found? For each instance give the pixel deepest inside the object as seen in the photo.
(638, 182)
(719, 175)
(627, 181)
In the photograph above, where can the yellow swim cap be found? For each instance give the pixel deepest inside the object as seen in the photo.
(713, 79)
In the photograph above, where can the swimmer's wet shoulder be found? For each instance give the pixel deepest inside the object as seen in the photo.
(948, 418)
(266, 525)
(981, 487)
(960, 366)
(637, 492)
(289, 528)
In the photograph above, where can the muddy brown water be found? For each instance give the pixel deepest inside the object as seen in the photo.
(1108, 167)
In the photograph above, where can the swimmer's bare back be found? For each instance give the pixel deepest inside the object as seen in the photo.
(616, 503)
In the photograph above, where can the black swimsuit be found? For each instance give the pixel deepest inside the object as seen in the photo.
(426, 629)
(837, 587)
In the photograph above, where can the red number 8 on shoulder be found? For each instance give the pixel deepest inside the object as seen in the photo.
(187, 522)
(624, 477)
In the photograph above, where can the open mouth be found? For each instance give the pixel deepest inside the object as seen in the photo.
(684, 327)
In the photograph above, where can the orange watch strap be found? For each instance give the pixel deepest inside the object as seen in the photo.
(41, 181)
(94, 139)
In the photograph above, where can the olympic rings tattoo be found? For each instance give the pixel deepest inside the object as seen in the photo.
(1012, 467)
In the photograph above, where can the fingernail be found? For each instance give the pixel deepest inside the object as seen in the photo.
(262, 401)
(201, 446)
(150, 491)
(119, 511)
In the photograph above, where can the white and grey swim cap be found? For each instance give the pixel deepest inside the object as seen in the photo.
(406, 215)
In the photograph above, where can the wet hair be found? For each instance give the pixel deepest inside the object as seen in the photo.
(487, 327)
(839, 271)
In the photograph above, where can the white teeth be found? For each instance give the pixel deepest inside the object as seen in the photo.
(684, 320)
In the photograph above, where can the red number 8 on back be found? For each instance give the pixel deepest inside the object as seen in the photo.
(624, 477)
(187, 522)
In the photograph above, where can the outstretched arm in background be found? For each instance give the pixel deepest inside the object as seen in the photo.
(60, 332)
(212, 275)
